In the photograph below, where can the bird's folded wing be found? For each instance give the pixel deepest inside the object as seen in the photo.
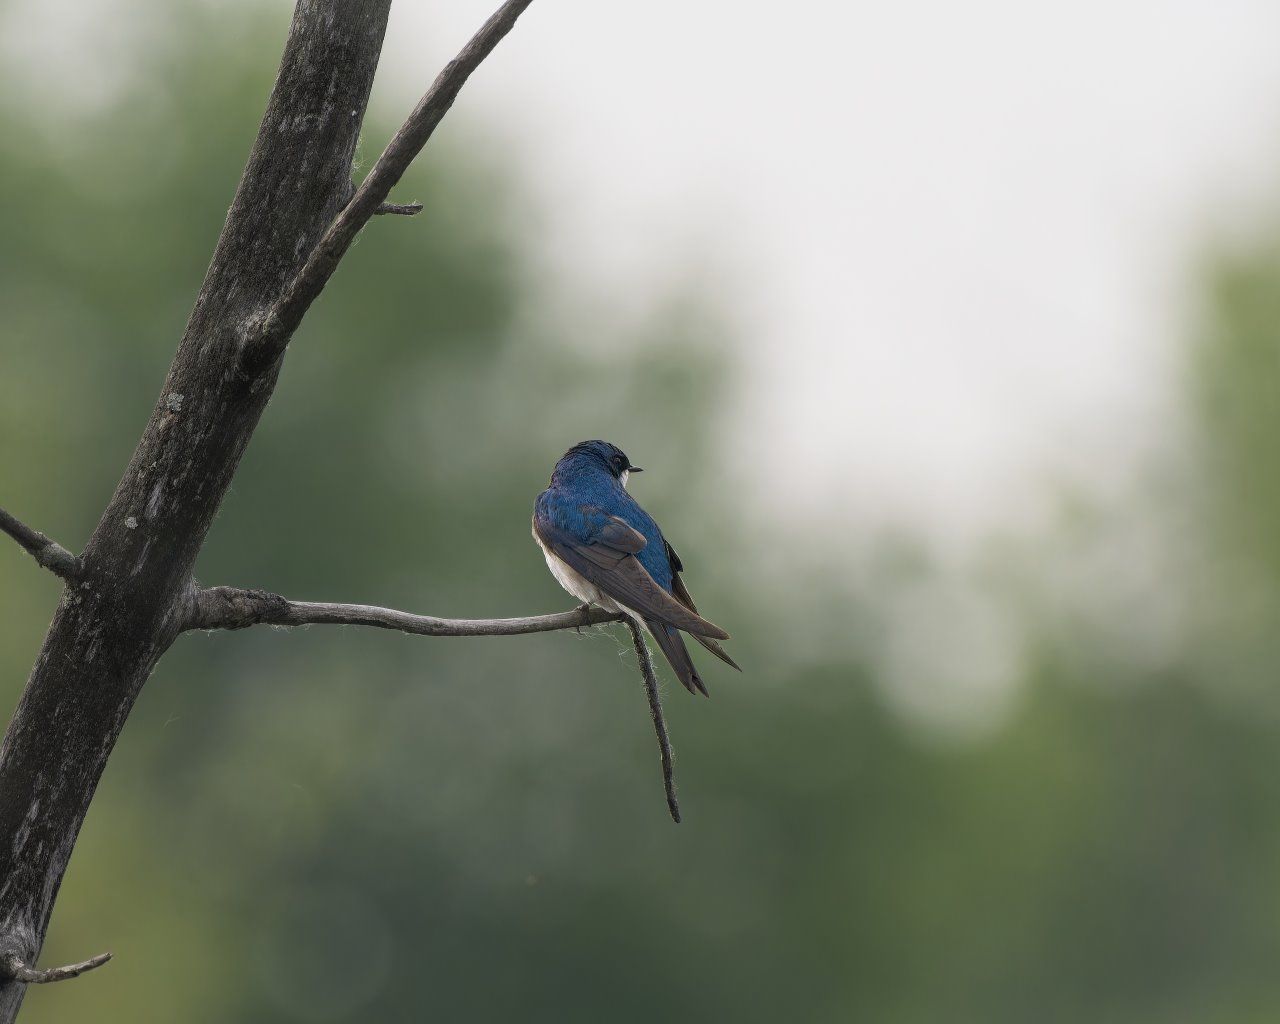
(618, 573)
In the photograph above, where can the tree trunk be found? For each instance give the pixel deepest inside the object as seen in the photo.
(134, 590)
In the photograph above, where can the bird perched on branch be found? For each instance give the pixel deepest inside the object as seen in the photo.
(604, 549)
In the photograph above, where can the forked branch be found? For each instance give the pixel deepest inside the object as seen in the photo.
(75, 702)
(266, 345)
(236, 608)
(49, 553)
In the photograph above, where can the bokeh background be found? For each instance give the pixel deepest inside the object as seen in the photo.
(949, 339)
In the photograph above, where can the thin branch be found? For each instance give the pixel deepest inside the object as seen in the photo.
(50, 554)
(233, 608)
(13, 966)
(659, 722)
(269, 342)
(236, 608)
(399, 209)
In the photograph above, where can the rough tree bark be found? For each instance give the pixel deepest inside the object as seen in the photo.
(126, 605)
(130, 593)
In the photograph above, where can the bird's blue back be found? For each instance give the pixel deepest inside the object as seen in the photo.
(580, 481)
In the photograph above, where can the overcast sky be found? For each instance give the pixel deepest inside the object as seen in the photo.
(956, 237)
(955, 240)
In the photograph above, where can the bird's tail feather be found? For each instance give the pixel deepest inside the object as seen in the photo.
(717, 650)
(672, 645)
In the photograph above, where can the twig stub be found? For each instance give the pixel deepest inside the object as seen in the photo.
(14, 967)
(48, 553)
(399, 209)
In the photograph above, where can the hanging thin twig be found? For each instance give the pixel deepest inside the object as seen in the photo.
(659, 722)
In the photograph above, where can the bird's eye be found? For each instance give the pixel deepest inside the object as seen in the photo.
(620, 462)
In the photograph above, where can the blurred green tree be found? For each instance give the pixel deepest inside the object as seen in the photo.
(333, 825)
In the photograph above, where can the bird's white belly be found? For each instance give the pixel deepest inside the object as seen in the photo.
(574, 582)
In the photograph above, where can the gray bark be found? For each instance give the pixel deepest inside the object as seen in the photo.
(131, 591)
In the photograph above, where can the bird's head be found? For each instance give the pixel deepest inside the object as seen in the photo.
(595, 457)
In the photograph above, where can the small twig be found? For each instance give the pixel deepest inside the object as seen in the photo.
(234, 608)
(268, 342)
(50, 554)
(659, 722)
(12, 966)
(399, 209)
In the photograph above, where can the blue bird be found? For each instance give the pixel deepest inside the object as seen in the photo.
(604, 549)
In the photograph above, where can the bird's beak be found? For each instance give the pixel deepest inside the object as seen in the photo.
(636, 469)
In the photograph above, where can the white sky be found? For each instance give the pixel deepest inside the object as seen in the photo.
(955, 236)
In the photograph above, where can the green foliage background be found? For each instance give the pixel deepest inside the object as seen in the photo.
(337, 825)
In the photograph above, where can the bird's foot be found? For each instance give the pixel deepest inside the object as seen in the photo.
(584, 609)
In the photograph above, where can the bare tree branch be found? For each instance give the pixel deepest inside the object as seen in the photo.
(265, 347)
(659, 722)
(49, 553)
(234, 608)
(135, 592)
(12, 966)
